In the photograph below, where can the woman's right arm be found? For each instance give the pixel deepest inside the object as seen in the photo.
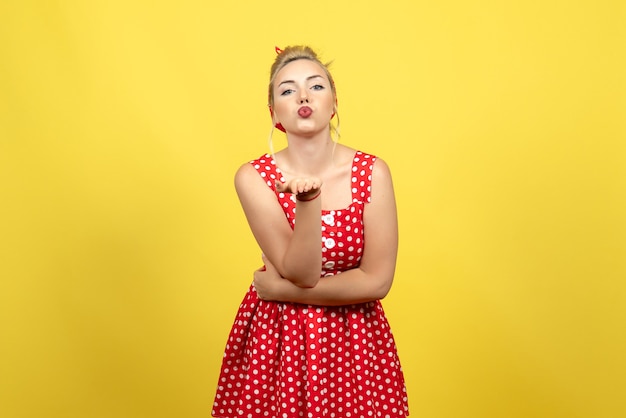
(296, 253)
(372, 279)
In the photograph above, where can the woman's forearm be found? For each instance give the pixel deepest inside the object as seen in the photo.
(350, 287)
(303, 256)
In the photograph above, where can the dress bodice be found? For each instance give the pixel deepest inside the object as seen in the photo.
(342, 229)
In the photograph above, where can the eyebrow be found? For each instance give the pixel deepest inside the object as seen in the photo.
(307, 79)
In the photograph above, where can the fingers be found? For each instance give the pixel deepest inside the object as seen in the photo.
(299, 185)
(282, 187)
(304, 185)
(257, 288)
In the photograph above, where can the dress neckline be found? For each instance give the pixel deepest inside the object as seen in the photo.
(324, 211)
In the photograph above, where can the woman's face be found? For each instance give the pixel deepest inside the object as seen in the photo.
(303, 97)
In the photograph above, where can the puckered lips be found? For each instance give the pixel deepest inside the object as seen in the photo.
(305, 112)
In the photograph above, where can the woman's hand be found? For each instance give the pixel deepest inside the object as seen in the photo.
(267, 281)
(304, 188)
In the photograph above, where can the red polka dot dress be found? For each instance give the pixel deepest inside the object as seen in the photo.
(291, 360)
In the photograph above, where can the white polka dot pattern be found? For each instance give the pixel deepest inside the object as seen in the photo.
(292, 360)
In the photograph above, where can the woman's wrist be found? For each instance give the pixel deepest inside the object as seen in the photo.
(306, 197)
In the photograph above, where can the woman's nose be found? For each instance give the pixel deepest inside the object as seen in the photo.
(304, 98)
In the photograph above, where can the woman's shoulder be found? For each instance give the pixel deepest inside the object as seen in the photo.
(252, 168)
(264, 162)
(376, 166)
(347, 153)
(252, 174)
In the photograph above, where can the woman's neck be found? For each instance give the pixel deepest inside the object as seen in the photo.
(307, 156)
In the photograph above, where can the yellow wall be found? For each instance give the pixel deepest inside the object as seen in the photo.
(124, 253)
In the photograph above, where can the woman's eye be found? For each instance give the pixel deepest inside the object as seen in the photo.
(286, 92)
(318, 87)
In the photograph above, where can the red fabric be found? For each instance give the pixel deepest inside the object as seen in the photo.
(294, 360)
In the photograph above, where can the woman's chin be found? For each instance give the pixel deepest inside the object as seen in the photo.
(307, 127)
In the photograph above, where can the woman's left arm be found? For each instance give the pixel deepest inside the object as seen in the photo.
(374, 276)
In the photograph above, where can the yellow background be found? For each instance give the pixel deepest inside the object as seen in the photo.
(124, 253)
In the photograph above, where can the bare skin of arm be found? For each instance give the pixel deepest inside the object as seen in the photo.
(295, 254)
(374, 276)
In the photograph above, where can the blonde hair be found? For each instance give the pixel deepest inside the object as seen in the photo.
(290, 54)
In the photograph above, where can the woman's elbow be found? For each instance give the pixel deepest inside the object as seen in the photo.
(382, 289)
(305, 282)
(304, 276)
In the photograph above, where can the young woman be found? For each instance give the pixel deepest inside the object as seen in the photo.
(310, 338)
